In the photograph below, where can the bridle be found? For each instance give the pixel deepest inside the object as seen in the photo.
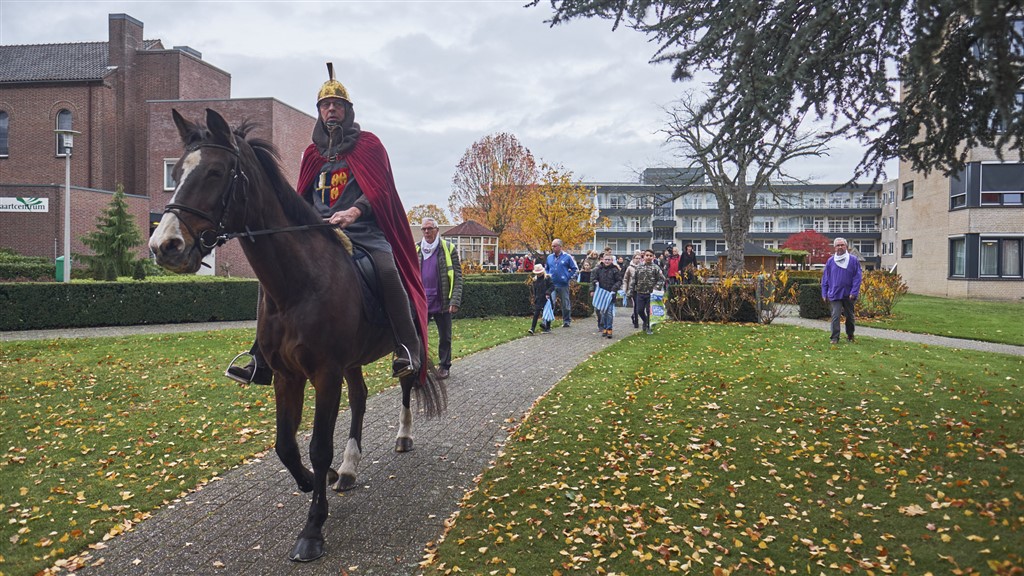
(212, 238)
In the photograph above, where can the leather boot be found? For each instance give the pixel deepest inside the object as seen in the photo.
(408, 350)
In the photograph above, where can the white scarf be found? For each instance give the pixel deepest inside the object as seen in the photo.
(428, 247)
(842, 261)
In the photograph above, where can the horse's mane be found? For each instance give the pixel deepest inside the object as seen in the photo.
(296, 209)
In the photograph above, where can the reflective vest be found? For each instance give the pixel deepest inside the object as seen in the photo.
(448, 264)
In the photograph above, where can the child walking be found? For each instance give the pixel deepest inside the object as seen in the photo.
(542, 289)
(609, 277)
(648, 278)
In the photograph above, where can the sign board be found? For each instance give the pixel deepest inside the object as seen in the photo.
(19, 204)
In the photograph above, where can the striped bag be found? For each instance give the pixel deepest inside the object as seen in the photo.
(602, 299)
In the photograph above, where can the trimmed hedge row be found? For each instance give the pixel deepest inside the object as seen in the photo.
(39, 306)
(811, 304)
(35, 306)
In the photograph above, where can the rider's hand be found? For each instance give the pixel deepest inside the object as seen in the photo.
(345, 218)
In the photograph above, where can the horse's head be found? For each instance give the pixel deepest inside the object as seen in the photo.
(210, 180)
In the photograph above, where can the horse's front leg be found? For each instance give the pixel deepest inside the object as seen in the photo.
(288, 392)
(310, 543)
(403, 443)
(354, 447)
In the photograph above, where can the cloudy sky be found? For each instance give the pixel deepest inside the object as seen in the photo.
(428, 77)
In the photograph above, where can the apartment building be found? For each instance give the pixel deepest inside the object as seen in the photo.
(649, 214)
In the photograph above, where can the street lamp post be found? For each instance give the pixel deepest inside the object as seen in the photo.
(69, 137)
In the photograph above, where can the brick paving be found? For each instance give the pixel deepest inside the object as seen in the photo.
(246, 522)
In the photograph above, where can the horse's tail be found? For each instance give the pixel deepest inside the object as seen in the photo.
(431, 393)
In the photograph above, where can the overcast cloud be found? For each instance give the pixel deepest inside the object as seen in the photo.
(428, 77)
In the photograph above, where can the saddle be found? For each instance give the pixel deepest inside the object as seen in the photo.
(373, 310)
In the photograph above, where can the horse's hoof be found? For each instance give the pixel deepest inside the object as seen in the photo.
(345, 483)
(332, 476)
(403, 445)
(307, 550)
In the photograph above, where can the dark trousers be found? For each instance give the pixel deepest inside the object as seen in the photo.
(842, 307)
(443, 320)
(642, 306)
(537, 313)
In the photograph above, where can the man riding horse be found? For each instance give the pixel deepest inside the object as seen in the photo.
(346, 175)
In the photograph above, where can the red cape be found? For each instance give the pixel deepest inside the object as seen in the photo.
(372, 170)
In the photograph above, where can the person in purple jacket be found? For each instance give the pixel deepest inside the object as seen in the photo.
(840, 286)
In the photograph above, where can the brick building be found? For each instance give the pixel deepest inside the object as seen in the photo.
(118, 94)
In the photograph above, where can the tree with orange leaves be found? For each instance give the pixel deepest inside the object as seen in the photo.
(489, 182)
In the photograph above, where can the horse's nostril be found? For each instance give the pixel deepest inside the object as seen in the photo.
(172, 246)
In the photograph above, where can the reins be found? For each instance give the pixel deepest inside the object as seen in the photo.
(211, 239)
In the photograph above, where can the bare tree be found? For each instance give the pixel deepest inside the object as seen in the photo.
(737, 170)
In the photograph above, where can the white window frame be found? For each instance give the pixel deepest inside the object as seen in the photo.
(169, 164)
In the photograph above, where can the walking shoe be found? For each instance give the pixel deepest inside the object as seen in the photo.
(834, 341)
(442, 373)
(565, 324)
(530, 331)
(546, 331)
(849, 339)
(250, 374)
(647, 330)
(608, 334)
(636, 324)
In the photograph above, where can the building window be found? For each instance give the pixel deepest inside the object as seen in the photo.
(908, 190)
(907, 249)
(169, 182)
(865, 247)
(958, 190)
(5, 125)
(63, 123)
(999, 123)
(1011, 258)
(1002, 184)
(958, 257)
(1000, 258)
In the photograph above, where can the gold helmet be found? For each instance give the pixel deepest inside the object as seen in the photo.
(332, 88)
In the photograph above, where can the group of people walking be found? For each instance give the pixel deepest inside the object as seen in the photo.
(640, 279)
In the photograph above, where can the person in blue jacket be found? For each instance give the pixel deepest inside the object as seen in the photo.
(840, 286)
(562, 268)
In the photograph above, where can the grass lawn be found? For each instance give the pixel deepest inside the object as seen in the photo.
(719, 450)
(99, 432)
(1001, 322)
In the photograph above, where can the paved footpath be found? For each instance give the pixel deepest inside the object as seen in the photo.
(246, 522)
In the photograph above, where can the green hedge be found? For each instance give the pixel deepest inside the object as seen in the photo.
(34, 306)
(501, 278)
(511, 298)
(22, 270)
(811, 304)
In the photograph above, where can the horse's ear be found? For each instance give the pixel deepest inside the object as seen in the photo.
(185, 128)
(219, 128)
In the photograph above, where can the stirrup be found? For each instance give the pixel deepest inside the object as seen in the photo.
(408, 369)
(259, 374)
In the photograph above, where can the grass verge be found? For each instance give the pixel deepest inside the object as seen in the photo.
(747, 449)
(1001, 322)
(99, 432)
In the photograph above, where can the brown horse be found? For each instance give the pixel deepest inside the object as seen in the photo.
(312, 324)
